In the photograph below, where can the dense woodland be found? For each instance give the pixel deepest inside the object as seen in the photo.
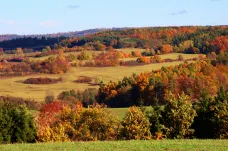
(38, 42)
(189, 39)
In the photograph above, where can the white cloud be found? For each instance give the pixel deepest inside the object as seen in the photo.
(215, 0)
(73, 6)
(48, 23)
(181, 12)
(8, 22)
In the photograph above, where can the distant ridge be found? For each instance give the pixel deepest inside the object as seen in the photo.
(73, 34)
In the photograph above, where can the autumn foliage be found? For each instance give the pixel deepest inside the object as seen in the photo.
(76, 124)
(191, 79)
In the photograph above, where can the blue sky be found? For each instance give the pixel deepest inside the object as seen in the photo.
(51, 16)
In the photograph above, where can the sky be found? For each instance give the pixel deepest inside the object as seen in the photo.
(52, 16)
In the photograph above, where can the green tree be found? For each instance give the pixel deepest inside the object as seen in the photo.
(178, 116)
(16, 124)
(221, 113)
(56, 46)
(48, 48)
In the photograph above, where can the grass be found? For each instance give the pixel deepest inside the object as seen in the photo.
(14, 86)
(120, 112)
(152, 145)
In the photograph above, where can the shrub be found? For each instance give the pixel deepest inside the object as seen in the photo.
(107, 59)
(180, 58)
(136, 54)
(71, 57)
(41, 80)
(87, 97)
(192, 50)
(47, 117)
(143, 60)
(84, 79)
(50, 97)
(178, 116)
(135, 125)
(30, 104)
(83, 56)
(166, 48)
(156, 59)
(80, 124)
(16, 124)
(53, 65)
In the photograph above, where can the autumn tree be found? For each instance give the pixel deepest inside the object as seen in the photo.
(135, 125)
(166, 48)
(220, 44)
(19, 52)
(183, 46)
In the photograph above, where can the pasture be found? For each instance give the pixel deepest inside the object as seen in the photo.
(14, 86)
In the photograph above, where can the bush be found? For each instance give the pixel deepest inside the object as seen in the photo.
(156, 59)
(16, 124)
(80, 124)
(84, 79)
(143, 60)
(50, 97)
(136, 54)
(47, 117)
(107, 59)
(30, 104)
(87, 97)
(135, 125)
(180, 58)
(83, 56)
(41, 80)
(53, 65)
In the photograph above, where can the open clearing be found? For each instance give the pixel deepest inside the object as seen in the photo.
(14, 86)
(167, 145)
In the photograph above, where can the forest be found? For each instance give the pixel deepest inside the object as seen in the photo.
(179, 92)
(187, 39)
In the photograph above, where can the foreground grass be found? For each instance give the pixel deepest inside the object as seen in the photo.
(168, 145)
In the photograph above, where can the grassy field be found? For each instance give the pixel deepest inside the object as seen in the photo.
(164, 145)
(120, 112)
(14, 86)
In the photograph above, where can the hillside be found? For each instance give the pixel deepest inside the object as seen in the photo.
(54, 35)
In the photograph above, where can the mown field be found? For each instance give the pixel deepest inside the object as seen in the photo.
(14, 87)
(153, 145)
